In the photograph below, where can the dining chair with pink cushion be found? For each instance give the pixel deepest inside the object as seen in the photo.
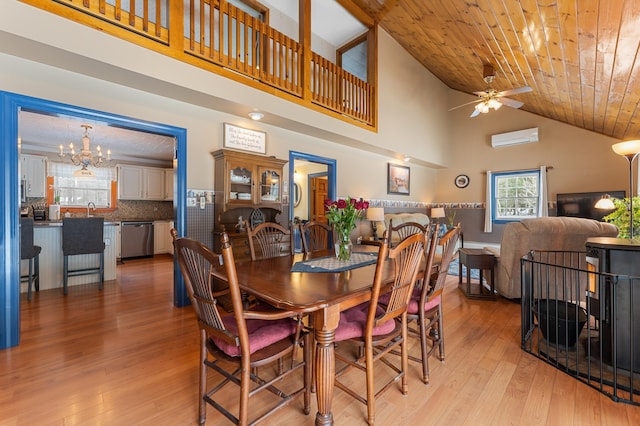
(235, 345)
(430, 319)
(377, 330)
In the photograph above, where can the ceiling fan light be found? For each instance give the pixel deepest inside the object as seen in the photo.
(483, 107)
(494, 103)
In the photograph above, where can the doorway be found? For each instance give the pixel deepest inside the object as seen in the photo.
(11, 104)
(312, 179)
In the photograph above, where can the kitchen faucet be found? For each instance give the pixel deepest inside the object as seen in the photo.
(91, 203)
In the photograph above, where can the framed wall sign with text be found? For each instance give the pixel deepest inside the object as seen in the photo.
(245, 139)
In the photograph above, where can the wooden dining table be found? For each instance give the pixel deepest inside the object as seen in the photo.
(322, 294)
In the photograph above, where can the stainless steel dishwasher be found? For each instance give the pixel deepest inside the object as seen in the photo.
(136, 239)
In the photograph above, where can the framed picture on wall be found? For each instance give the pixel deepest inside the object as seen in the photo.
(398, 179)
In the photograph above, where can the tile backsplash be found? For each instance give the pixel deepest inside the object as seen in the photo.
(127, 209)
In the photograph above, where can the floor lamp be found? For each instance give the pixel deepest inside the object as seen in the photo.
(629, 150)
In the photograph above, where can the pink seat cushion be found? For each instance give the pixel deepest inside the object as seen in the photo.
(353, 323)
(413, 302)
(262, 333)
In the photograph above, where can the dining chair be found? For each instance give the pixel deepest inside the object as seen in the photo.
(82, 235)
(377, 330)
(405, 230)
(236, 344)
(430, 322)
(424, 294)
(31, 252)
(316, 236)
(269, 239)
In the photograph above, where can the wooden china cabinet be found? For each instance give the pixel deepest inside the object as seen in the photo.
(248, 187)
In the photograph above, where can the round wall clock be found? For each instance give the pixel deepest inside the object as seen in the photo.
(462, 181)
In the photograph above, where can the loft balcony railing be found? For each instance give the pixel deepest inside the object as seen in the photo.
(216, 32)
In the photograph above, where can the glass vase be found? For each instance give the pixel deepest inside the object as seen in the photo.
(343, 249)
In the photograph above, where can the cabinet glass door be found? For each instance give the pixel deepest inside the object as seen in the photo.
(240, 184)
(270, 185)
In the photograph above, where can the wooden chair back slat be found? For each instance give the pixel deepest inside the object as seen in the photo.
(272, 240)
(449, 243)
(406, 257)
(406, 229)
(196, 263)
(316, 236)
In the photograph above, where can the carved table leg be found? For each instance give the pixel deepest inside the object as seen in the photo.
(325, 324)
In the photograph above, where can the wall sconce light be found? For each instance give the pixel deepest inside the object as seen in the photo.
(255, 115)
(629, 150)
(375, 214)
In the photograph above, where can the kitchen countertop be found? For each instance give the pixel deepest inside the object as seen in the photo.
(53, 223)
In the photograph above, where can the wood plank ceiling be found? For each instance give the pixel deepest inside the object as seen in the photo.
(580, 57)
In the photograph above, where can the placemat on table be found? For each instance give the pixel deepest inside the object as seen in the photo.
(332, 264)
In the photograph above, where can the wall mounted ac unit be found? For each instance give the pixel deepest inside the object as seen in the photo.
(515, 138)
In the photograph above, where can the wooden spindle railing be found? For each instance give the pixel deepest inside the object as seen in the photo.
(341, 91)
(221, 34)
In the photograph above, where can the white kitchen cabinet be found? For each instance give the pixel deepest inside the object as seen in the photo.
(153, 183)
(34, 172)
(168, 184)
(142, 183)
(130, 183)
(162, 242)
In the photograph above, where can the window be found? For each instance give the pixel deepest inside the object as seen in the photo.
(352, 57)
(79, 191)
(516, 195)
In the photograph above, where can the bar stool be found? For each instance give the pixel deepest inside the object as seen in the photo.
(31, 252)
(83, 236)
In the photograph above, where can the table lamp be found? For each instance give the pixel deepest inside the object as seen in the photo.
(375, 214)
(605, 203)
(629, 150)
(437, 213)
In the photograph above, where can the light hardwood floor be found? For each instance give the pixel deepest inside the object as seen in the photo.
(126, 356)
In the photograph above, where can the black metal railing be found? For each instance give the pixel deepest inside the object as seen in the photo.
(570, 319)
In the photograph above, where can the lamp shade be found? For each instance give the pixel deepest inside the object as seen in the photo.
(605, 203)
(375, 214)
(627, 147)
(437, 212)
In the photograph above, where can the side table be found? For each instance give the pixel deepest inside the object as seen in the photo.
(482, 260)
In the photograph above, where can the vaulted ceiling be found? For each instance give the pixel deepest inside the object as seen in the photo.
(580, 57)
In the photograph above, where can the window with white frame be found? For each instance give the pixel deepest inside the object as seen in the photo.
(516, 195)
(73, 191)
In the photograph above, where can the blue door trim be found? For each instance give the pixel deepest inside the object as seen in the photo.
(331, 173)
(10, 105)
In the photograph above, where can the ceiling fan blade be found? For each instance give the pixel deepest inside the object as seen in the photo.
(482, 94)
(524, 89)
(510, 102)
(468, 103)
(475, 113)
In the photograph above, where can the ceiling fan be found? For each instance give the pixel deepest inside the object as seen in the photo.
(490, 98)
